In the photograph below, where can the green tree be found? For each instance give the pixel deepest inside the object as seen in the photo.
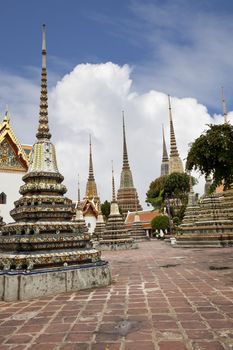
(105, 208)
(160, 222)
(155, 193)
(211, 153)
(170, 190)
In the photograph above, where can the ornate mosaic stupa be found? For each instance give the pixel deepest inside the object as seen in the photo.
(127, 192)
(175, 162)
(165, 159)
(44, 241)
(115, 236)
(137, 231)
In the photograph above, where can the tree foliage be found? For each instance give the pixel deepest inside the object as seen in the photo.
(177, 185)
(160, 222)
(105, 208)
(155, 193)
(211, 153)
(170, 190)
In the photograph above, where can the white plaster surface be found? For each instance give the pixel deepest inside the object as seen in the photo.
(9, 184)
(90, 221)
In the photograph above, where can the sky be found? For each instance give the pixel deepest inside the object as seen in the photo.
(106, 56)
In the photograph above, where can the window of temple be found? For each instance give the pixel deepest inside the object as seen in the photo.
(2, 198)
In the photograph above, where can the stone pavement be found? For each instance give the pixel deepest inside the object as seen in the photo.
(161, 299)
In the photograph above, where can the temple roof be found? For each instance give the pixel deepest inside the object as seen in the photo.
(145, 217)
(13, 155)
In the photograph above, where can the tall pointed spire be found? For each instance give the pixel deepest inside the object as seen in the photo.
(165, 155)
(113, 186)
(78, 191)
(43, 128)
(224, 107)
(126, 192)
(91, 171)
(173, 147)
(91, 188)
(125, 153)
(165, 160)
(175, 163)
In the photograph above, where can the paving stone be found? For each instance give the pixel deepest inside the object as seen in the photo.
(204, 345)
(175, 308)
(172, 345)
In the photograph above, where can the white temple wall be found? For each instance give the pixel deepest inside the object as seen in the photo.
(90, 221)
(9, 184)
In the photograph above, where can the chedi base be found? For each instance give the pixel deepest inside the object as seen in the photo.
(26, 285)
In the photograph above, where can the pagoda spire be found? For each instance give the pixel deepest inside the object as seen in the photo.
(113, 186)
(43, 128)
(91, 188)
(224, 107)
(125, 153)
(165, 155)
(173, 147)
(91, 171)
(78, 191)
(165, 159)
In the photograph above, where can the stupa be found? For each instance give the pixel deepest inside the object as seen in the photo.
(100, 224)
(115, 235)
(137, 231)
(44, 252)
(211, 223)
(91, 199)
(127, 192)
(175, 162)
(192, 209)
(165, 159)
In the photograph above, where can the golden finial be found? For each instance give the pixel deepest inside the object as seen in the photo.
(7, 115)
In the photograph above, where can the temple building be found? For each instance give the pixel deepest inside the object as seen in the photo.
(44, 252)
(91, 199)
(145, 217)
(175, 162)
(165, 159)
(127, 192)
(14, 162)
(115, 235)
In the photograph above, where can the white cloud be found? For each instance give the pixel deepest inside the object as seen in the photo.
(89, 100)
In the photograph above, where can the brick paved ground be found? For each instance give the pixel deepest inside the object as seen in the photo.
(161, 298)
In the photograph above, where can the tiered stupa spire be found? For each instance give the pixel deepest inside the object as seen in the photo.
(175, 163)
(43, 128)
(44, 237)
(126, 192)
(165, 159)
(91, 188)
(115, 235)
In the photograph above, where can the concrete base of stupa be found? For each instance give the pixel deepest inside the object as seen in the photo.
(116, 245)
(23, 285)
(204, 241)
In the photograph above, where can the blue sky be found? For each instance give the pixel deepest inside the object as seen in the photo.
(179, 47)
(143, 34)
